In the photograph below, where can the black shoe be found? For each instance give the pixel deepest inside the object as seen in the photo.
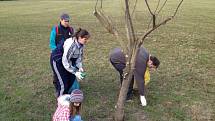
(129, 98)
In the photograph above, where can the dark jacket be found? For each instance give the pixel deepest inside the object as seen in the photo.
(117, 58)
(59, 33)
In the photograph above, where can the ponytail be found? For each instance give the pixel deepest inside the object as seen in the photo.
(81, 33)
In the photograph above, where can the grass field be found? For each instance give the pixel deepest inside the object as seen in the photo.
(183, 89)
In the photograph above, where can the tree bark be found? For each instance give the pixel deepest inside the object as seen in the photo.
(131, 49)
(128, 73)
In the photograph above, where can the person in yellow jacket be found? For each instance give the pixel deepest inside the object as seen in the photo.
(143, 64)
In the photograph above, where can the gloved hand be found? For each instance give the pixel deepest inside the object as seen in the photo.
(83, 74)
(79, 75)
(143, 100)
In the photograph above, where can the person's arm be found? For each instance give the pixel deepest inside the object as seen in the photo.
(79, 60)
(65, 116)
(52, 44)
(63, 100)
(139, 77)
(139, 72)
(140, 69)
(68, 47)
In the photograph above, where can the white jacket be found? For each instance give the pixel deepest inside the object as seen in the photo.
(72, 49)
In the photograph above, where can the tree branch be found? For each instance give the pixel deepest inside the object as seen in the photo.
(107, 23)
(134, 8)
(152, 29)
(148, 7)
(162, 6)
(153, 15)
(157, 6)
(158, 25)
(178, 8)
(129, 24)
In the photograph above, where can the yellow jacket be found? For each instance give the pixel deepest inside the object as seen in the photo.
(146, 78)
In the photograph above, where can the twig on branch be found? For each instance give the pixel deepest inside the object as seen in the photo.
(101, 4)
(129, 25)
(135, 4)
(162, 6)
(153, 15)
(157, 6)
(157, 12)
(152, 29)
(107, 23)
(148, 7)
(158, 25)
(176, 10)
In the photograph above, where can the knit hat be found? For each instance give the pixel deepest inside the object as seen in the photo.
(65, 16)
(77, 96)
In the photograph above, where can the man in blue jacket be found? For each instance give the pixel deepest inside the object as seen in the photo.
(58, 35)
(60, 32)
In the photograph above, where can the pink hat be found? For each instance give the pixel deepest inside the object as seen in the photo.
(77, 96)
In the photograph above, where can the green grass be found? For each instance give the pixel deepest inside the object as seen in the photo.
(181, 90)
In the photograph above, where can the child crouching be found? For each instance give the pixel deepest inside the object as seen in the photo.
(69, 107)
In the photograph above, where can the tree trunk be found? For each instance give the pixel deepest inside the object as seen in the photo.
(128, 73)
(119, 114)
(133, 45)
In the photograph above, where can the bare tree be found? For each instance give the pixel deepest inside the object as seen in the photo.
(133, 44)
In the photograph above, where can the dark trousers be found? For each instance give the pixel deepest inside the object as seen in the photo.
(119, 67)
(63, 79)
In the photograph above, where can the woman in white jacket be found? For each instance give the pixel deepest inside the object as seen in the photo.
(66, 61)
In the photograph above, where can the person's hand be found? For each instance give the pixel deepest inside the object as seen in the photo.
(81, 69)
(79, 75)
(143, 100)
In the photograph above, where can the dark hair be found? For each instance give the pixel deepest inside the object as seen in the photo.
(155, 61)
(82, 33)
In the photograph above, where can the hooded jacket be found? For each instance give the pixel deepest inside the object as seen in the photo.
(117, 58)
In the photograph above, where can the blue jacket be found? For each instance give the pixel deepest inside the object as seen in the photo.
(59, 33)
(76, 118)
